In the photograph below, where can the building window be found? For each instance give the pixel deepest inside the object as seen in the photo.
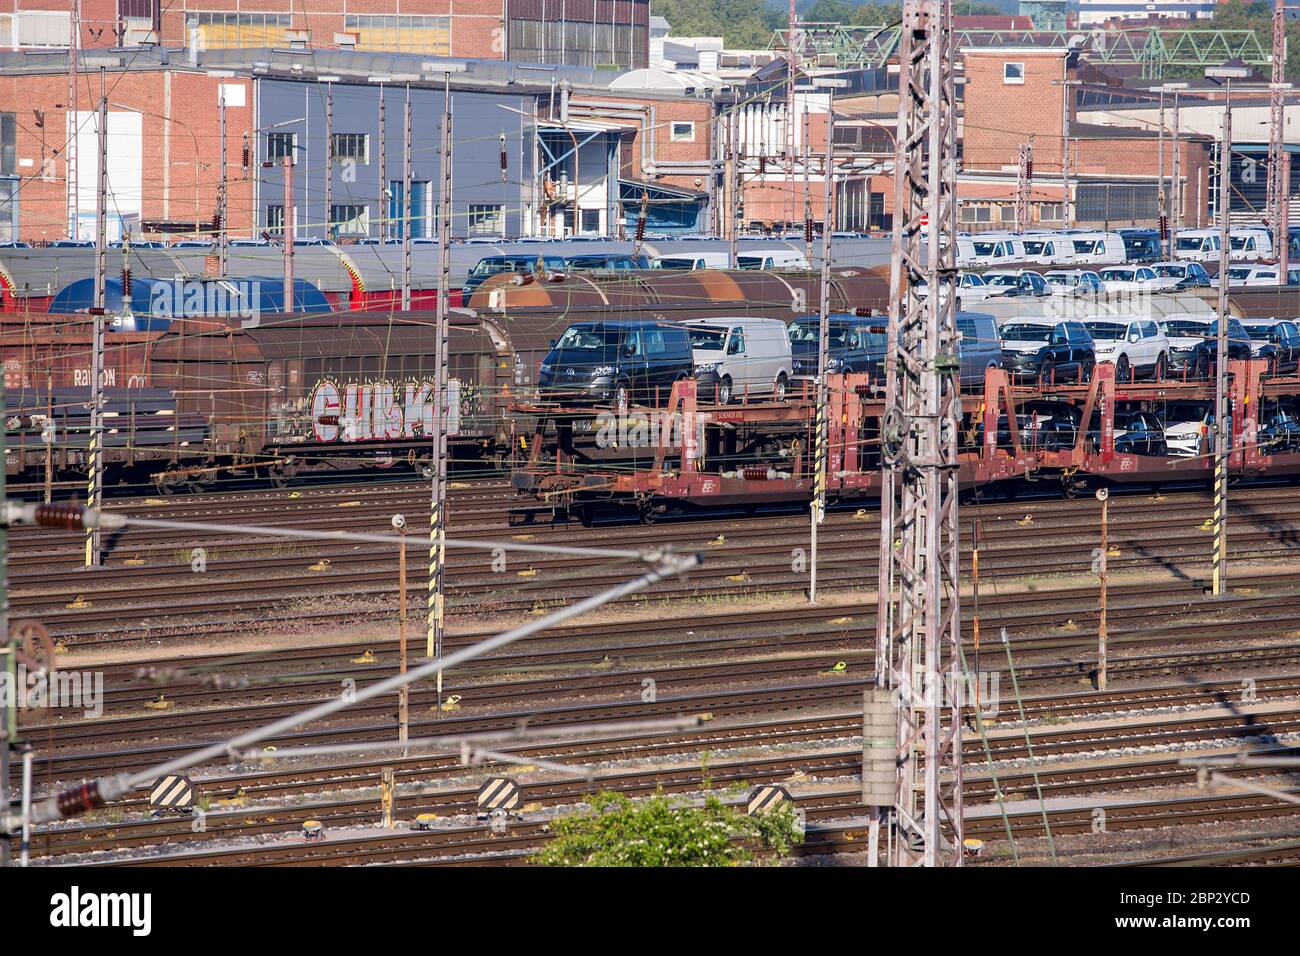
(976, 213)
(487, 219)
(8, 210)
(682, 132)
(350, 219)
(421, 209)
(353, 146)
(36, 28)
(1013, 73)
(8, 134)
(402, 34)
(275, 220)
(590, 221)
(221, 30)
(280, 145)
(1007, 213)
(1050, 212)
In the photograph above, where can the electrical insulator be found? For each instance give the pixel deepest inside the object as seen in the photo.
(1164, 227)
(126, 284)
(245, 154)
(216, 224)
(504, 161)
(762, 165)
(808, 230)
(640, 228)
(1029, 169)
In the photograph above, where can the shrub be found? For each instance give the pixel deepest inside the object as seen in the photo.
(658, 831)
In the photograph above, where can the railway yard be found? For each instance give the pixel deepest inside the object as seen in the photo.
(768, 688)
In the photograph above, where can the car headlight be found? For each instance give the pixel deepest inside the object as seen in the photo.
(707, 367)
(600, 370)
(545, 368)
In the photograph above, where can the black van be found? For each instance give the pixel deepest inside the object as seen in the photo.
(1142, 245)
(617, 362)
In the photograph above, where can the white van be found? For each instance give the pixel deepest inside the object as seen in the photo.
(994, 250)
(693, 260)
(1098, 248)
(1047, 248)
(780, 259)
(740, 357)
(1249, 244)
(1197, 245)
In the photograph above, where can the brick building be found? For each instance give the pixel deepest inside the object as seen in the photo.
(576, 149)
(610, 33)
(1014, 96)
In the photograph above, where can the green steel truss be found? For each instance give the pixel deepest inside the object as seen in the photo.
(1154, 49)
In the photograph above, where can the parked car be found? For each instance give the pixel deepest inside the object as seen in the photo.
(1129, 278)
(1275, 340)
(498, 265)
(741, 357)
(1188, 428)
(1193, 344)
(1138, 433)
(1278, 430)
(854, 344)
(1181, 275)
(1141, 245)
(1047, 248)
(616, 361)
(1197, 245)
(1073, 281)
(588, 263)
(1098, 248)
(1249, 243)
(1135, 346)
(1043, 350)
(697, 260)
(1010, 282)
(980, 347)
(1249, 275)
(784, 259)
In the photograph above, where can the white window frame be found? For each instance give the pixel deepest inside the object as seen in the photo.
(1018, 80)
(687, 136)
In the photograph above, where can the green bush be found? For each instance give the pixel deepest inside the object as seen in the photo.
(658, 831)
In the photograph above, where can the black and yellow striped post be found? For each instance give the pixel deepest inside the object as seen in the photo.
(1219, 574)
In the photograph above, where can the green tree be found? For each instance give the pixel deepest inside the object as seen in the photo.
(617, 831)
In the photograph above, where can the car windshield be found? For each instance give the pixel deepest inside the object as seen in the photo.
(983, 248)
(1238, 242)
(1034, 247)
(675, 263)
(807, 332)
(1238, 273)
(1060, 279)
(749, 262)
(1002, 280)
(1189, 245)
(1186, 328)
(494, 266)
(1171, 272)
(1025, 332)
(588, 338)
(1108, 331)
(709, 340)
(595, 262)
(971, 279)
(1260, 332)
(1118, 275)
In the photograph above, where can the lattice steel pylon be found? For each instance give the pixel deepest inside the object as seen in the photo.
(1276, 114)
(1024, 183)
(919, 624)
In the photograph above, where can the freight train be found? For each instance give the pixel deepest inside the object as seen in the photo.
(291, 395)
(355, 276)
